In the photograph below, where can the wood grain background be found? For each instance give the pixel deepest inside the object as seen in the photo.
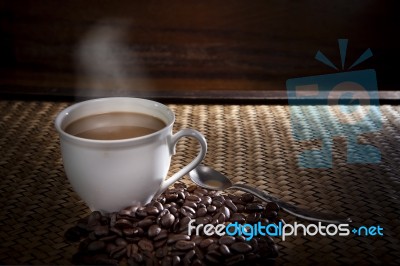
(188, 49)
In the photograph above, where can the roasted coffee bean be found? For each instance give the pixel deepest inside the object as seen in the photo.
(176, 260)
(218, 218)
(213, 256)
(108, 238)
(272, 206)
(162, 235)
(240, 238)
(134, 248)
(264, 221)
(219, 198)
(226, 212)
(238, 217)
(163, 212)
(181, 195)
(273, 248)
(152, 210)
(224, 250)
(96, 245)
(203, 220)
(241, 247)
(173, 210)
(217, 203)
(116, 231)
(240, 207)
(126, 213)
(154, 230)
(159, 206)
(226, 240)
(254, 244)
(187, 211)
(166, 261)
(199, 252)
(117, 252)
(201, 205)
(231, 205)
(184, 245)
(110, 247)
(145, 245)
(201, 212)
(271, 215)
(206, 200)
(236, 259)
(252, 256)
(211, 208)
(171, 197)
(172, 238)
(183, 223)
(92, 236)
(167, 220)
(254, 207)
(206, 242)
(253, 218)
(193, 198)
(128, 232)
(190, 204)
(247, 197)
(137, 257)
(162, 252)
(196, 239)
(137, 231)
(101, 230)
(123, 223)
(160, 243)
(187, 259)
(212, 247)
(197, 262)
(200, 191)
(236, 199)
(141, 212)
(129, 251)
(145, 223)
(120, 242)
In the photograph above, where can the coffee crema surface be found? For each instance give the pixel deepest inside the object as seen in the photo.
(115, 126)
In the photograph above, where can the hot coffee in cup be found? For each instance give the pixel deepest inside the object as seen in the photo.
(117, 151)
(116, 125)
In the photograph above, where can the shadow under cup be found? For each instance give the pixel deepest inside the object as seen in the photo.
(112, 174)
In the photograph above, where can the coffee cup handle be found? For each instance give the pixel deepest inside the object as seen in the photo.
(200, 156)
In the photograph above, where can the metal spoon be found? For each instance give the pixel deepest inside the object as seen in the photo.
(209, 178)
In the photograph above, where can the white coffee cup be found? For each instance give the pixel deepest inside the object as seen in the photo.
(112, 174)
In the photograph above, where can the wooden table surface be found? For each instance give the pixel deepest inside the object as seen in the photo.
(188, 49)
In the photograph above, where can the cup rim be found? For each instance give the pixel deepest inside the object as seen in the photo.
(65, 112)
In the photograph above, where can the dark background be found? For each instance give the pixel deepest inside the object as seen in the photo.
(188, 49)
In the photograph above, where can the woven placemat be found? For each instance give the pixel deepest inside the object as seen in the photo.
(250, 143)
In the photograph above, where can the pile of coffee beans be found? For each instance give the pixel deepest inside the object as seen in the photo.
(157, 233)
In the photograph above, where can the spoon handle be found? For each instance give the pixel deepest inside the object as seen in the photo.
(291, 209)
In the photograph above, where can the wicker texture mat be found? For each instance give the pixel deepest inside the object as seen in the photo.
(252, 144)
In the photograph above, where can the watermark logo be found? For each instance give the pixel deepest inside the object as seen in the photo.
(344, 104)
(281, 230)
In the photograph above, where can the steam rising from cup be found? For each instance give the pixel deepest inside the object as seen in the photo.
(107, 63)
